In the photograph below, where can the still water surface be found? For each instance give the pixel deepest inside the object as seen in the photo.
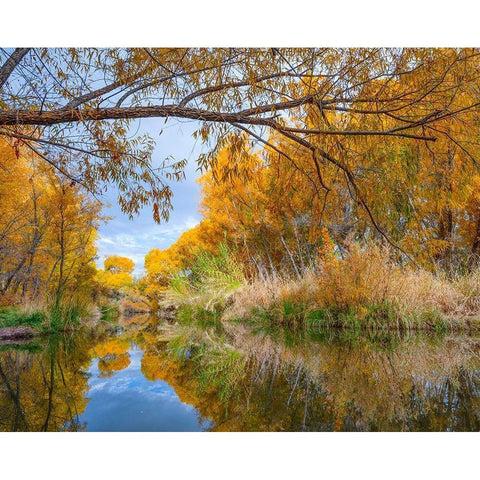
(126, 401)
(146, 375)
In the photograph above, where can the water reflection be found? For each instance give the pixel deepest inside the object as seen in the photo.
(87, 382)
(43, 386)
(145, 375)
(255, 381)
(130, 402)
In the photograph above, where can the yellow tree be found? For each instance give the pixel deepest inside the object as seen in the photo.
(117, 275)
(323, 101)
(162, 264)
(48, 229)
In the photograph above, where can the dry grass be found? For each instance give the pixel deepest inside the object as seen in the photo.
(263, 294)
(365, 289)
(8, 300)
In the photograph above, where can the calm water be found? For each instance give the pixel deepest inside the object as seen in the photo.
(145, 375)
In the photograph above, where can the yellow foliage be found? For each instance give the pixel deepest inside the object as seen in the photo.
(162, 264)
(117, 264)
(47, 229)
(115, 281)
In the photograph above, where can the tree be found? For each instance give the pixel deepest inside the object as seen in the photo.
(272, 209)
(117, 264)
(332, 104)
(117, 275)
(48, 229)
(161, 265)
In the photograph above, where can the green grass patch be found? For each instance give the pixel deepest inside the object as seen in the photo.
(15, 317)
(385, 316)
(188, 315)
(185, 315)
(318, 318)
(30, 347)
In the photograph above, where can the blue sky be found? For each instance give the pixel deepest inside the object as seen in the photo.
(135, 238)
(128, 402)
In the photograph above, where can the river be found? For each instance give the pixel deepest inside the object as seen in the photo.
(144, 374)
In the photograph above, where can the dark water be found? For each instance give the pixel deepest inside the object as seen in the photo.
(145, 375)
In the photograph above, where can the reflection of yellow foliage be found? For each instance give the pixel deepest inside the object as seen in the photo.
(135, 306)
(305, 386)
(114, 363)
(49, 388)
(113, 346)
(159, 365)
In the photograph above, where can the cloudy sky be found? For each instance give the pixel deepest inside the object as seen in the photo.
(135, 238)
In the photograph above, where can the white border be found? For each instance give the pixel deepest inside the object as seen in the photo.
(242, 23)
(245, 23)
(239, 456)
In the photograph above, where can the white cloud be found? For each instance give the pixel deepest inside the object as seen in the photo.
(135, 238)
(137, 245)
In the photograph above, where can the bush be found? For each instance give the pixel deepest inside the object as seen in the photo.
(363, 290)
(209, 283)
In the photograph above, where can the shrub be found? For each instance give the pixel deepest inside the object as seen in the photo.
(365, 289)
(209, 283)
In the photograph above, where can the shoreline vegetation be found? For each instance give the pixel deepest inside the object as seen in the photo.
(24, 320)
(364, 290)
(339, 187)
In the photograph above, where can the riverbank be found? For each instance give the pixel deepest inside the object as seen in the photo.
(18, 324)
(27, 321)
(364, 290)
(21, 322)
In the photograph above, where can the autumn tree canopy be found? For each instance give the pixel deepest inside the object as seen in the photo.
(48, 229)
(74, 107)
(117, 274)
(117, 264)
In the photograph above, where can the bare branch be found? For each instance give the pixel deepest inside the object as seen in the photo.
(11, 63)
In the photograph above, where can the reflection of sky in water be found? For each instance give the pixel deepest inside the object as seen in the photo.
(127, 401)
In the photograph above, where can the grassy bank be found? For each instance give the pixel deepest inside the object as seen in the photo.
(17, 317)
(362, 290)
(44, 318)
(68, 314)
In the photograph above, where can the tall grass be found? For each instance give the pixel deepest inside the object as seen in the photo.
(52, 314)
(365, 289)
(15, 316)
(66, 313)
(52, 318)
(209, 283)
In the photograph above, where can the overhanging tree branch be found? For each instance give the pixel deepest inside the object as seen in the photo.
(11, 63)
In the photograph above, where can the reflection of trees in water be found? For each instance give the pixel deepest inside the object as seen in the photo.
(256, 381)
(112, 355)
(114, 363)
(390, 383)
(45, 390)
